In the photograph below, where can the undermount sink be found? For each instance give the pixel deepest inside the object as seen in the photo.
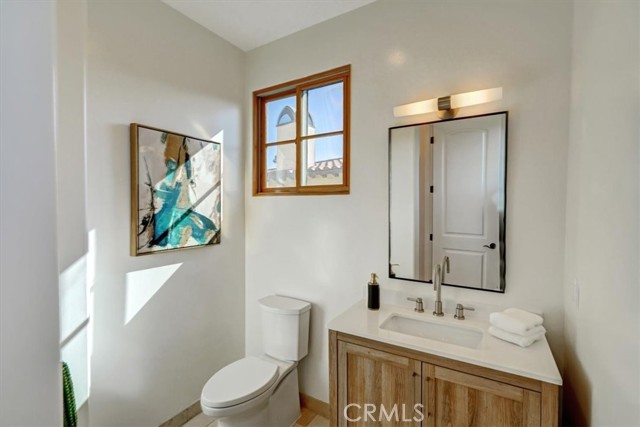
(425, 328)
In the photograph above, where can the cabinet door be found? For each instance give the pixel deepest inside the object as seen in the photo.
(377, 388)
(457, 399)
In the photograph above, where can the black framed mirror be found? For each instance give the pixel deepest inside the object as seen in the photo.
(447, 197)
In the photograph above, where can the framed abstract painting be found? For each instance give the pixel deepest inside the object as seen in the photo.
(176, 191)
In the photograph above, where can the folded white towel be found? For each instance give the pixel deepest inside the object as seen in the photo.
(515, 338)
(529, 333)
(515, 320)
(525, 316)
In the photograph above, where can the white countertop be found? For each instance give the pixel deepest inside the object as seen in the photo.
(535, 361)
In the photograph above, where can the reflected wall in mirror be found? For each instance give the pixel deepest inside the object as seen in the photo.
(447, 197)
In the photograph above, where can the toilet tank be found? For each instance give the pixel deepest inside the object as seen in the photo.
(285, 327)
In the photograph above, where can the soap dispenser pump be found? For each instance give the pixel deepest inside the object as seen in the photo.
(373, 302)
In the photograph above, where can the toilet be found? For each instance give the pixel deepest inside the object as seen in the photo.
(263, 391)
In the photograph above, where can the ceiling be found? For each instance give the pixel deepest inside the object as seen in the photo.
(252, 23)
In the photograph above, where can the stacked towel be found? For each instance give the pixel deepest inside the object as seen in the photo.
(517, 326)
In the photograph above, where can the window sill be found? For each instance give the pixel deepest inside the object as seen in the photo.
(337, 190)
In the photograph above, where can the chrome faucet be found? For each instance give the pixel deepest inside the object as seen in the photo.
(437, 278)
(437, 286)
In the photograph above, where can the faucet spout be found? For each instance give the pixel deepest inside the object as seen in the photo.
(445, 266)
(436, 277)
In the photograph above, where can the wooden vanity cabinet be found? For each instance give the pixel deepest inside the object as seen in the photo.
(455, 398)
(450, 393)
(373, 377)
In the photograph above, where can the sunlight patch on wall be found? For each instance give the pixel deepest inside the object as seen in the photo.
(142, 285)
(74, 321)
(73, 297)
(75, 353)
(76, 312)
(219, 138)
(91, 280)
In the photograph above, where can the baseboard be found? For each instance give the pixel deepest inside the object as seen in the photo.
(184, 416)
(318, 406)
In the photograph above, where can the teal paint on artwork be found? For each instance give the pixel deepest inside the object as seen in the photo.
(173, 223)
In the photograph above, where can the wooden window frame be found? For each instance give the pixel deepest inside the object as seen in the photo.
(295, 88)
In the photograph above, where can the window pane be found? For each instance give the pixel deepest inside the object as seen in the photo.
(281, 119)
(280, 164)
(324, 160)
(325, 106)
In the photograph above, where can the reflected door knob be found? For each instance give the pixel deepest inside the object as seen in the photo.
(491, 246)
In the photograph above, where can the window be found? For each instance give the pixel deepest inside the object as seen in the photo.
(301, 136)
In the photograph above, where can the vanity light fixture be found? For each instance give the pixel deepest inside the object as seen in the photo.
(447, 106)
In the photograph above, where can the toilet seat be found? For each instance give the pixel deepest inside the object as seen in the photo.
(239, 382)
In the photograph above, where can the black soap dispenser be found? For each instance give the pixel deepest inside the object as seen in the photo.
(373, 302)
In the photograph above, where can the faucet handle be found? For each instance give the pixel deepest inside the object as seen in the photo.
(419, 307)
(460, 311)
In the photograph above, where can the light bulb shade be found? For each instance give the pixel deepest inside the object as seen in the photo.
(474, 98)
(455, 101)
(421, 107)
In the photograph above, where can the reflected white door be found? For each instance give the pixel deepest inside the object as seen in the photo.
(467, 199)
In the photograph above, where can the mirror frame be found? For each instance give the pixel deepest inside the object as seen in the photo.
(503, 285)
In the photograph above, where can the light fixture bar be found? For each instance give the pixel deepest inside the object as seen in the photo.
(447, 105)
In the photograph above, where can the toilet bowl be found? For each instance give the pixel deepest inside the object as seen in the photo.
(263, 391)
(242, 393)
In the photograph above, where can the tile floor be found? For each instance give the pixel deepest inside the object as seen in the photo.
(311, 419)
(201, 420)
(307, 419)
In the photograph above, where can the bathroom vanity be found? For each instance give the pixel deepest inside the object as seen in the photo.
(455, 372)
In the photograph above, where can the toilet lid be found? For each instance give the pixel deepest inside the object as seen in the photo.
(238, 382)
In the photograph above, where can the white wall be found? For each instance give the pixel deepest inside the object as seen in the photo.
(30, 361)
(71, 38)
(322, 249)
(602, 369)
(151, 65)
